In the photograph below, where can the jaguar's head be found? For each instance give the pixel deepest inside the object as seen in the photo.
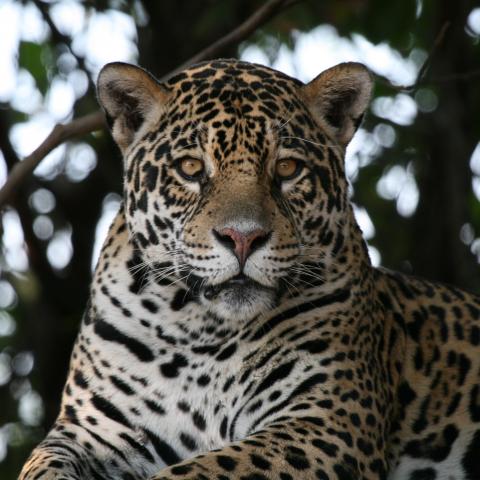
(234, 178)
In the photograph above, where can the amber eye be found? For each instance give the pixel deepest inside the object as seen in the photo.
(287, 168)
(190, 168)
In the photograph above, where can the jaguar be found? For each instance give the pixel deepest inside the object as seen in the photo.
(236, 328)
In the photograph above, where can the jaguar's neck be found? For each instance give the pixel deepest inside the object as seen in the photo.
(342, 264)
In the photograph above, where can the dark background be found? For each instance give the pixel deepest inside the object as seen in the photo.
(438, 239)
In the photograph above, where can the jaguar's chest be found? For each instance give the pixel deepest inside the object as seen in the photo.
(169, 380)
(187, 402)
(191, 395)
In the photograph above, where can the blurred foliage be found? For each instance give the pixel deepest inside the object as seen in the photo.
(31, 56)
(43, 297)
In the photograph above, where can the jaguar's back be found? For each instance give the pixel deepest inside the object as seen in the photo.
(236, 328)
(436, 430)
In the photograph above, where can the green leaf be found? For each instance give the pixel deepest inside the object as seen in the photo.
(31, 57)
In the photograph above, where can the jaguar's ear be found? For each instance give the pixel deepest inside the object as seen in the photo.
(338, 98)
(130, 97)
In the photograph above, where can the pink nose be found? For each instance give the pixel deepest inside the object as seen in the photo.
(242, 244)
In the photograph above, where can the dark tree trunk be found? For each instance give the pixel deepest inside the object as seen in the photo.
(447, 141)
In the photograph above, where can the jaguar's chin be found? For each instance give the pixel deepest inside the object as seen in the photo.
(239, 298)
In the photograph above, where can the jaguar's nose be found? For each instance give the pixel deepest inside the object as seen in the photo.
(242, 244)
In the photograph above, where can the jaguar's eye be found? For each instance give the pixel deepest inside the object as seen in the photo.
(190, 168)
(288, 168)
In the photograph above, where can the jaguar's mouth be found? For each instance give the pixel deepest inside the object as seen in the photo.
(239, 298)
(241, 284)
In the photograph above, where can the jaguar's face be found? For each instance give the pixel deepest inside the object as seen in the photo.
(234, 181)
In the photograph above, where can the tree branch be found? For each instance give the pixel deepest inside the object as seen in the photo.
(420, 80)
(436, 44)
(59, 134)
(243, 31)
(453, 77)
(95, 121)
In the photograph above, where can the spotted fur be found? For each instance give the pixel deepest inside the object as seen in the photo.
(295, 359)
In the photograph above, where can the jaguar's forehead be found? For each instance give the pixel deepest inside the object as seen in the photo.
(235, 88)
(230, 73)
(250, 101)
